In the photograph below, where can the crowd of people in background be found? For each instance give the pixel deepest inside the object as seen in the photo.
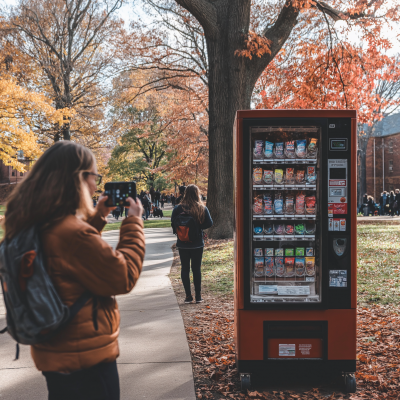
(388, 204)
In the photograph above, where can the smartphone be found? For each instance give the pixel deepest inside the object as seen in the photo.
(118, 192)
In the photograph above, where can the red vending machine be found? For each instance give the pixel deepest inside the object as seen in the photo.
(295, 242)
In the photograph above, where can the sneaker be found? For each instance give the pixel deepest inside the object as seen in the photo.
(199, 299)
(189, 299)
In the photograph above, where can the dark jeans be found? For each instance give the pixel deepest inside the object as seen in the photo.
(193, 257)
(100, 382)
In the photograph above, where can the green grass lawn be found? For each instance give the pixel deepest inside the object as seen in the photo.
(167, 213)
(151, 223)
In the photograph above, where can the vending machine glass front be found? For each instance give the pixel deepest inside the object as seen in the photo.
(285, 187)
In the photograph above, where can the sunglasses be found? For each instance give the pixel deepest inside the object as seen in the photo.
(98, 177)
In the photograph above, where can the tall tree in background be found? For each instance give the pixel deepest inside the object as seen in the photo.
(70, 42)
(237, 56)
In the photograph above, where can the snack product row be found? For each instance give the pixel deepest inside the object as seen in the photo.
(288, 176)
(276, 203)
(280, 252)
(284, 267)
(299, 228)
(302, 148)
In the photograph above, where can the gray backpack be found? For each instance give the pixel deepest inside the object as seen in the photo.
(35, 311)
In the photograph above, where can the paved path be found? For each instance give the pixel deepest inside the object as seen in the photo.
(155, 361)
(380, 219)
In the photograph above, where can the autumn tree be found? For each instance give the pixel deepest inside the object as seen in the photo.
(70, 41)
(242, 38)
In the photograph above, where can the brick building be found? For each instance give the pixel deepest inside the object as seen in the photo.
(10, 175)
(383, 157)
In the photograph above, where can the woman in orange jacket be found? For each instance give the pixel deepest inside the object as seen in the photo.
(79, 362)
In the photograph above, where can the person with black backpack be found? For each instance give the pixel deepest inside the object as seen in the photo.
(188, 220)
(59, 277)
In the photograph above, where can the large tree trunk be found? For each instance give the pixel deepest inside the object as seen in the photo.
(230, 90)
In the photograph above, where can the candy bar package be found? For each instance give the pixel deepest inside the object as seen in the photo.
(300, 206)
(279, 150)
(312, 148)
(268, 207)
(310, 266)
(258, 252)
(258, 149)
(289, 229)
(269, 266)
(300, 174)
(268, 252)
(268, 177)
(279, 267)
(301, 148)
(311, 176)
(299, 229)
(300, 251)
(279, 176)
(290, 176)
(310, 228)
(310, 205)
(258, 204)
(289, 204)
(299, 266)
(279, 252)
(278, 203)
(258, 230)
(257, 176)
(269, 150)
(258, 266)
(289, 265)
(268, 228)
(289, 149)
(289, 252)
(309, 251)
(279, 229)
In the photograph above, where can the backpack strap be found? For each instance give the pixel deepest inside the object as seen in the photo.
(77, 306)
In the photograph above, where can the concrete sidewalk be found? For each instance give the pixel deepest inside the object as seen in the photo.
(155, 360)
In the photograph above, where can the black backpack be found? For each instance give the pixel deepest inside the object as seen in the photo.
(186, 227)
(35, 311)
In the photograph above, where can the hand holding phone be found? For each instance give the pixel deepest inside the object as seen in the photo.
(118, 193)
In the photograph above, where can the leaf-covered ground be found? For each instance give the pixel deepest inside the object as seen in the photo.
(209, 327)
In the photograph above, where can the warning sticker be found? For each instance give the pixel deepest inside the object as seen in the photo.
(287, 350)
(337, 182)
(305, 349)
(339, 208)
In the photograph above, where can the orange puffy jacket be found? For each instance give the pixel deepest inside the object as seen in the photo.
(79, 260)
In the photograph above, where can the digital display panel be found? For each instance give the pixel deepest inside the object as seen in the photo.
(337, 173)
(338, 144)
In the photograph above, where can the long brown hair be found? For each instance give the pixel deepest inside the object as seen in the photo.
(192, 202)
(53, 189)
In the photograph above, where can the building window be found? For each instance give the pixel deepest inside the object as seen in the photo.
(21, 174)
(13, 172)
(390, 146)
(390, 165)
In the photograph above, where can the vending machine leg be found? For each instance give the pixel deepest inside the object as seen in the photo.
(350, 382)
(245, 382)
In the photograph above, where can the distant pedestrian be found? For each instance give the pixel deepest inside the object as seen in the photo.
(191, 253)
(162, 200)
(117, 212)
(371, 205)
(181, 193)
(392, 199)
(173, 200)
(157, 197)
(146, 205)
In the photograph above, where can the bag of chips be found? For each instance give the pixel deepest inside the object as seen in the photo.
(289, 149)
(258, 266)
(300, 206)
(269, 266)
(268, 207)
(279, 150)
(279, 176)
(290, 176)
(289, 204)
(269, 252)
(312, 148)
(310, 266)
(258, 149)
(279, 267)
(289, 265)
(310, 228)
(258, 230)
(257, 176)
(278, 205)
(289, 229)
(268, 228)
(310, 205)
(299, 229)
(279, 252)
(268, 177)
(301, 148)
(258, 205)
(300, 251)
(299, 266)
(269, 150)
(300, 176)
(309, 251)
(289, 251)
(311, 176)
(279, 229)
